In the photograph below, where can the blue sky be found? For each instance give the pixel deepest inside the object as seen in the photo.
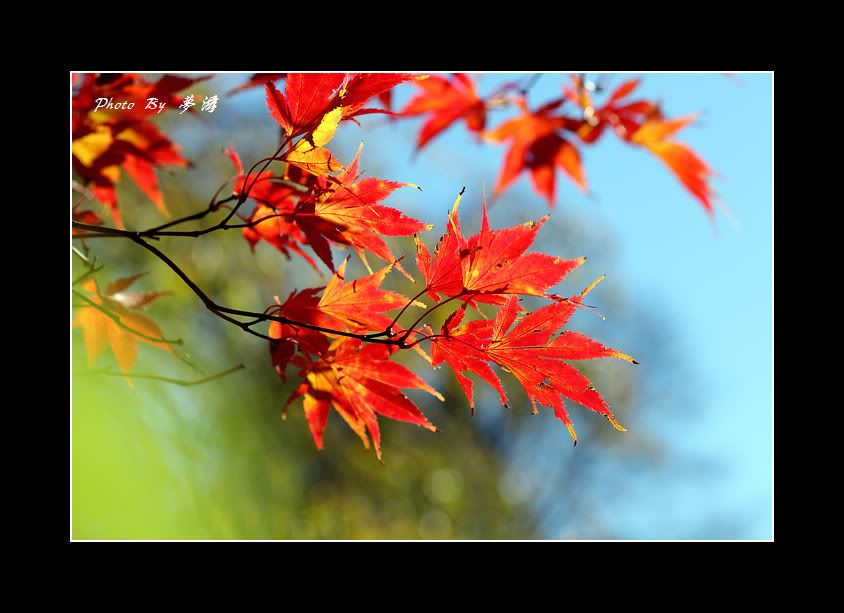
(713, 280)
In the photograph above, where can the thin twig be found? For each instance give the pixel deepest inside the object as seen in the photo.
(225, 312)
(86, 274)
(214, 206)
(529, 84)
(110, 373)
(403, 339)
(80, 255)
(389, 331)
(245, 194)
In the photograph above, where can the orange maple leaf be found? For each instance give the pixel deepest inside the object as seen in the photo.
(447, 101)
(99, 330)
(641, 122)
(655, 136)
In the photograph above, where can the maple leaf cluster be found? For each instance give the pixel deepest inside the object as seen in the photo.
(545, 139)
(342, 337)
(492, 267)
(106, 141)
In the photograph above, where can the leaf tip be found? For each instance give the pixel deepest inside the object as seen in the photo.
(572, 433)
(592, 285)
(615, 424)
(623, 356)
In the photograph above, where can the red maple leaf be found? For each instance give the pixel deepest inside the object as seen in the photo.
(347, 211)
(272, 217)
(528, 351)
(623, 115)
(447, 101)
(536, 145)
(359, 305)
(274, 226)
(463, 349)
(641, 122)
(301, 306)
(490, 264)
(361, 87)
(654, 135)
(360, 382)
(344, 210)
(356, 306)
(307, 98)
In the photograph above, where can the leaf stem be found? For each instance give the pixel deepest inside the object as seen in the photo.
(389, 331)
(406, 335)
(86, 274)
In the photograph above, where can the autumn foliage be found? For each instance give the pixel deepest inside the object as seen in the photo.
(340, 339)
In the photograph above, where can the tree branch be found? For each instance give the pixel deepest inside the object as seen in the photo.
(224, 312)
(212, 207)
(155, 233)
(526, 87)
(221, 311)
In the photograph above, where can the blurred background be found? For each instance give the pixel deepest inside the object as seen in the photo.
(690, 300)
